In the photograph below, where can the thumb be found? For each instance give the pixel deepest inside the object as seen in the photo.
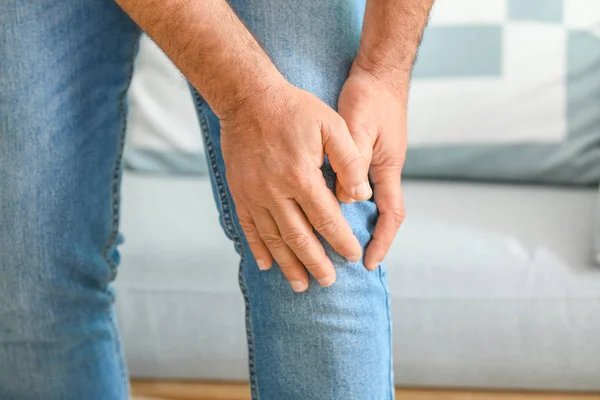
(346, 160)
(364, 142)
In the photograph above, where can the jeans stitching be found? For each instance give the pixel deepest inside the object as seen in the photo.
(389, 318)
(116, 178)
(115, 203)
(231, 232)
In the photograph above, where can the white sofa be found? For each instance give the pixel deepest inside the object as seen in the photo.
(492, 286)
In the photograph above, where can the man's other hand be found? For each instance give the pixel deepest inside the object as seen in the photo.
(375, 113)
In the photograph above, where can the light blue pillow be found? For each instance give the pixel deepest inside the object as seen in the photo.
(510, 94)
(503, 90)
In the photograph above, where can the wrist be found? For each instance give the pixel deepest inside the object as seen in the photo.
(248, 96)
(394, 77)
(255, 98)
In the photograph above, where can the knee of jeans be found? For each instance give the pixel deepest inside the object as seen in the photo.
(361, 216)
(43, 283)
(57, 257)
(54, 260)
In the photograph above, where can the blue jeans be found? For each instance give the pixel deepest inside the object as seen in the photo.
(65, 67)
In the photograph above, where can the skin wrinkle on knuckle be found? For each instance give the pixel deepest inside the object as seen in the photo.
(351, 162)
(397, 214)
(327, 226)
(251, 233)
(247, 224)
(273, 241)
(311, 191)
(285, 265)
(315, 266)
(300, 181)
(297, 240)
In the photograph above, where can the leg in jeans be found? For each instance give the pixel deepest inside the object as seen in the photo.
(64, 69)
(327, 343)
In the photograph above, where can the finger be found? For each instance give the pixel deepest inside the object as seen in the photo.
(290, 266)
(297, 232)
(363, 134)
(325, 215)
(341, 194)
(347, 162)
(388, 197)
(261, 253)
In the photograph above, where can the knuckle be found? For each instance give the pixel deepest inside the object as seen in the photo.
(249, 229)
(351, 162)
(297, 239)
(247, 226)
(314, 266)
(397, 214)
(273, 241)
(327, 226)
(285, 265)
(267, 193)
(251, 234)
(300, 181)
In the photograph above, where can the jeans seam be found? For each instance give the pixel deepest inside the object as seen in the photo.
(231, 232)
(389, 318)
(115, 204)
(119, 354)
(116, 178)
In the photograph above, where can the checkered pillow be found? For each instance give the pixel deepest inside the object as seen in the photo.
(502, 90)
(508, 90)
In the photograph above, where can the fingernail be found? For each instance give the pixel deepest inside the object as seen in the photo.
(363, 191)
(299, 286)
(261, 265)
(327, 281)
(353, 257)
(374, 265)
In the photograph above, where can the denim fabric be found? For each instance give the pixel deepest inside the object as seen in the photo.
(64, 72)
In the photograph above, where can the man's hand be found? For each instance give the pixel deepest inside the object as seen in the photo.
(376, 116)
(274, 137)
(373, 104)
(273, 145)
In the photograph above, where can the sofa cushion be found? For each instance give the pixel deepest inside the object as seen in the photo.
(163, 134)
(508, 90)
(502, 90)
(490, 285)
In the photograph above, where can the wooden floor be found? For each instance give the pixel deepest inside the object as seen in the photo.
(150, 390)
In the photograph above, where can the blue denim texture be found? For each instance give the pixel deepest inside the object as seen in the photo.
(64, 73)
